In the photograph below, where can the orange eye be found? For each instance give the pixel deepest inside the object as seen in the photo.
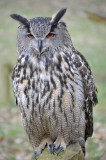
(30, 36)
(50, 35)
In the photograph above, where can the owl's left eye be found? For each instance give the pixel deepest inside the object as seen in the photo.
(50, 35)
(30, 36)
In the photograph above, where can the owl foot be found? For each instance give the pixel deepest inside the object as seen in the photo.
(52, 148)
(82, 144)
(38, 150)
(35, 155)
(61, 149)
(59, 145)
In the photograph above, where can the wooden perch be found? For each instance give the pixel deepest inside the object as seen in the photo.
(73, 152)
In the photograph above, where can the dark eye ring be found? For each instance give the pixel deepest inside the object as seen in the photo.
(30, 36)
(50, 35)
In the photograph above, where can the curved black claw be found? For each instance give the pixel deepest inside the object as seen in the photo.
(52, 148)
(35, 155)
(61, 149)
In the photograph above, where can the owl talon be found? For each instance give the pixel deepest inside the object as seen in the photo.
(52, 148)
(35, 155)
(61, 149)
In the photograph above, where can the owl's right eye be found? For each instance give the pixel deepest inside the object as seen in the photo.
(30, 36)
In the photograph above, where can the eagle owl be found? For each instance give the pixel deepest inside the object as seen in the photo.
(53, 85)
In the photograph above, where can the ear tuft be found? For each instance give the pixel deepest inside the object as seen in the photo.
(55, 19)
(21, 19)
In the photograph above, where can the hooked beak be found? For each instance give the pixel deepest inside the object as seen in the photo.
(40, 45)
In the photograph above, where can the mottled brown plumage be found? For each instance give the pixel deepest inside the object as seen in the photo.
(53, 85)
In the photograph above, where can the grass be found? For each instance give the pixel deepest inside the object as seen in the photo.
(87, 36)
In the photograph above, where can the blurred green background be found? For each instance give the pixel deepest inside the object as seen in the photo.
(86, 21)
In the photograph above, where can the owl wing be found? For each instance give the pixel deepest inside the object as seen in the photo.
(90, 90)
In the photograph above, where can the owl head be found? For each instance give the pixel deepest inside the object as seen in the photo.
(42, 34)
